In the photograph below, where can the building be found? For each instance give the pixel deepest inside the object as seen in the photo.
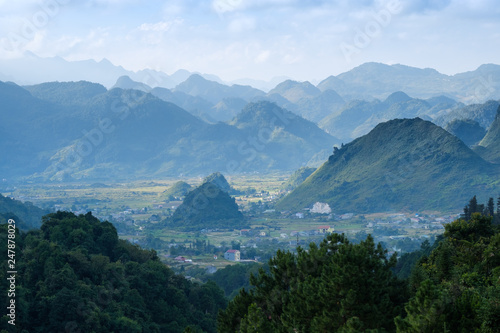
(232, 255)
(244, 232)
(325, 229)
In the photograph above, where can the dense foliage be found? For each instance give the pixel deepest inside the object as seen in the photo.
(335, 286)
(207, 206)
(450, 286)
(27, 215)
(457, 287)
(234, 277)
(75, 275)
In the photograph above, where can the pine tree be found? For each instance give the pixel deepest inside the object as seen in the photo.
(491, 207)
(473, 207)
(425, 311)
(466, 215)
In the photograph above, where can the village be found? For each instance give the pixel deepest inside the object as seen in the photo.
(137, 211)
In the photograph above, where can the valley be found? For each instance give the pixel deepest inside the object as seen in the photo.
(137, 209)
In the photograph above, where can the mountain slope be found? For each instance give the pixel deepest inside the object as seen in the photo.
(218, 180)
(179, 189)
(295, 91)
(297, 178)
(280, 133)
(66, 93)
(379, 80)
(207, 206)
(491, 141)
(26, 215)
(213, 91)
(483, 113)
(128, 133)
(469, 131)
(358, 117)
(407, 164)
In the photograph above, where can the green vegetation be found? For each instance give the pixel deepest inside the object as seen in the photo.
(339, 286)
(491, 142)
(178, 190)
(403, 164)
(209, 207)
(234, 277)
(455, 288)
(74, 273)
(335, 286)
(26, 215)
(469, 131)
(218, 180)
(298, 178)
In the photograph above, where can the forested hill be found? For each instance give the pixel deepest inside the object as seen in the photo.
(75, 275)
(401, 164)
(26, 215)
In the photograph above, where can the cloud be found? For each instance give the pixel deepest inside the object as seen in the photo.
(262, 56)
(242, 24)
(162, 26)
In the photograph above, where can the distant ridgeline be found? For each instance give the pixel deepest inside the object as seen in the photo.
(80, 130)
(26, 215)
(208, 207)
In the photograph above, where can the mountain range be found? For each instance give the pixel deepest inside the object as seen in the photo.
(369, 80)
(80, 130)
(342, 118)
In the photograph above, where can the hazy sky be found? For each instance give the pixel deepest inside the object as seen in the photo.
(305, 40)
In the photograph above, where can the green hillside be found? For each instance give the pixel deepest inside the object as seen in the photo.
(75, 275)
(403, 164)
(297, 178)
(207, 206)
(218, 180)
(469, 131)
(26, 215)
(179, 189)
(491, 141)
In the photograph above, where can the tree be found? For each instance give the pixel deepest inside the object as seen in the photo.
(255, 321)
(491, 207)
(456, 283)
(336, 285)
(425, 311)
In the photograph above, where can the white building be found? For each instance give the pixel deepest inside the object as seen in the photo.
(232, 255)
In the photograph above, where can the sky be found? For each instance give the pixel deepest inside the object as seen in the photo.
(257, 39)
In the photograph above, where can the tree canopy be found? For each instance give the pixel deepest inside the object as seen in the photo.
(74, 274)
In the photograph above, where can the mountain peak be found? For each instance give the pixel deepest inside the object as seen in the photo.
(397, 97)
(125, 82)
(207, 206)
(402, 164)
(218, 180)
